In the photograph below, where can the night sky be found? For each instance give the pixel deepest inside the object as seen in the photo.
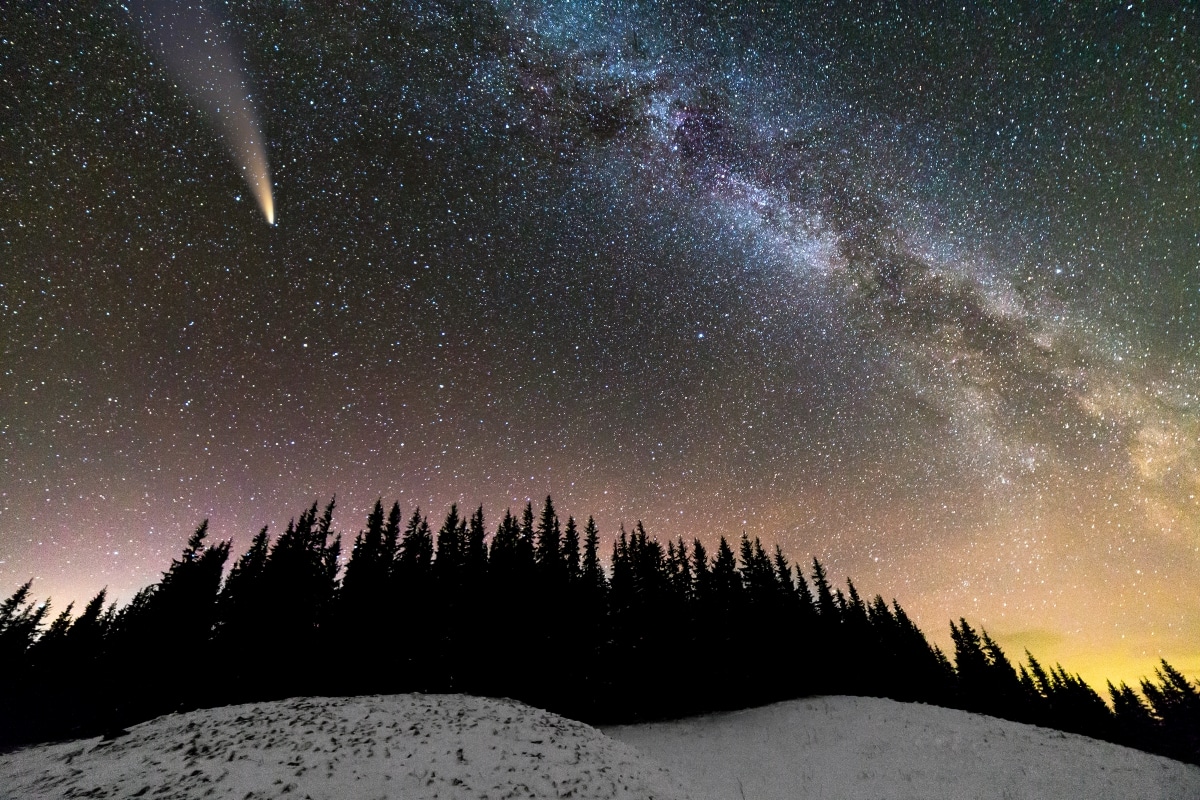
(914, 291)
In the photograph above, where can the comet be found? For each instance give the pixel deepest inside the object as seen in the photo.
(198, 55)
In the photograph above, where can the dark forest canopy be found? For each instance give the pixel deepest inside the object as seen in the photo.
(530, 612)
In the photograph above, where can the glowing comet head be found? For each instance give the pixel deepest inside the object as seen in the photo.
(257, 173)
(196, 50)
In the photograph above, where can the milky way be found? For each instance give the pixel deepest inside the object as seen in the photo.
(913, 292)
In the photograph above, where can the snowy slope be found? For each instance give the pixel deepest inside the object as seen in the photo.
(450, 746)
(859, 748)
(403, 746)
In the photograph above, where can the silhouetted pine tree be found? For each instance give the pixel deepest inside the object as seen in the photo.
(49, 645)
(860, 657)
(470, 656)
(300, 579)
(1134, 724)
(412, 584)
(704, 635)
(447, 611)
(573, 633)
(793, 626)
(525, 541)
(69, 665)
(1176, 704)
(365, 590)
(20, 622)
(243, 611)
(168, 630)
(760, 673)
(548, 553)
(726, 582)
(826, 634)
(570, 551)
(725, 645)
(595, 673)
(451, 547)
(505, 550)
(510, 638)
(971, 666)
(1064, 701)
(793, 599)
(593, 577)
(826, 606)
(367, 569)
(414, 556)
(987, 681)
(475, 559)
(913, 669)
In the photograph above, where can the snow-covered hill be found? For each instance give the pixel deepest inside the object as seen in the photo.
(401, 746)
(451, 746)
(863, 748)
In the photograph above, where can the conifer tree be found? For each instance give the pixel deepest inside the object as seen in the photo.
(20, 621)
(826, 606)
(621, 582)
(449, 550)
(702, 582)
(1135, 726)
(971, 666)
(367, 591)
(680, 569)
(242, 612)
(300, 578)
(727, 583)
(49, 646)
(506, 547)
(548, 553)
(471, 650)
(570, 551)
(1176, 704)
(447, 665)
(526, 547)
(412, 577)
(368, 565)
(391, 533)
(414, 558)
(168, 629)
(785, 584)
(808, 608)
(475, 557)
(594, 579)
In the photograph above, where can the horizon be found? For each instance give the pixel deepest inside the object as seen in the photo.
(1096, 671)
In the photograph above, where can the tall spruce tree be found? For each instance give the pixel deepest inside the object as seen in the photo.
(570, 552)
(549, 533)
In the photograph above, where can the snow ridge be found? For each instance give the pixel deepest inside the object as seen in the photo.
(420, 747)
(398, 746)
(869, 748)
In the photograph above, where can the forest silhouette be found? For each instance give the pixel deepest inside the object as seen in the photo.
(532, 613)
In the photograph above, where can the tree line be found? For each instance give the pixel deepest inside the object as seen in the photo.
(530, 612)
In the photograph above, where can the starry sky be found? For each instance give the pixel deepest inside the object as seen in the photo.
(912, 289)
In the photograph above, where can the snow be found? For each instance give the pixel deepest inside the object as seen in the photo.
(402, 746)
(861, 748)
(452, 746)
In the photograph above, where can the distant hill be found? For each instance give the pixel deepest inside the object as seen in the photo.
(867, 748)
